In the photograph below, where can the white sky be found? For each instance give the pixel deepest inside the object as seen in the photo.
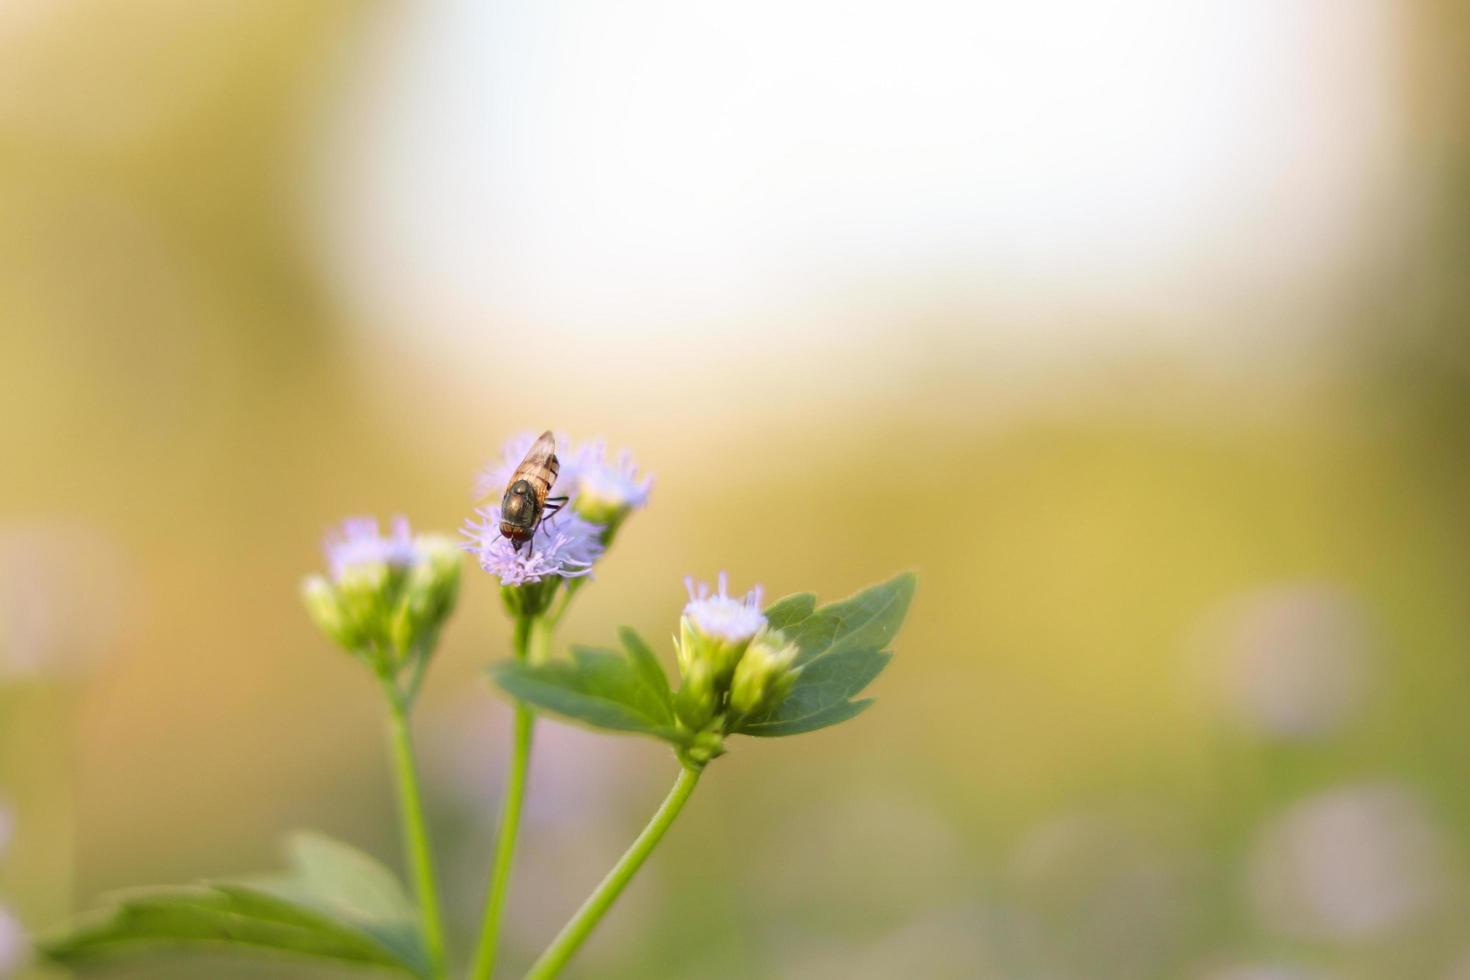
(1067, 170)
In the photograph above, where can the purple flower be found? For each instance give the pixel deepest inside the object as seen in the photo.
(14, 949)
(44, 569)
(1360, 861)
(610, 484)
(357, 542)
(564, 545)
(721, 616)
(13, 946)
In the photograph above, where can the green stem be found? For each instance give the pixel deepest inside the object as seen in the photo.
(568, 590)
(580, 926)
(415, 830)
(532, 642)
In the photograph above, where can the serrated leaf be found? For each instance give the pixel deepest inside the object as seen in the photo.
(791, 610)
(841, 651)
(335, 904)
(868, 620)
(600, 688)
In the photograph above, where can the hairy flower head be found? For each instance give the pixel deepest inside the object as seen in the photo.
(608, 489)
(721, 616)
(357, 542)
(714, 633)
(564, 546)
(386, 595)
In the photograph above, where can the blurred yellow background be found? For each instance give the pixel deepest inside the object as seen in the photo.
(1139, 331)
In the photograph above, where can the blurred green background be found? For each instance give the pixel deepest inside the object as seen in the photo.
(1139, 334)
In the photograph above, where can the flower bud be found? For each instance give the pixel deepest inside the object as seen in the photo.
(606, 512)
(322, 606)
(684, 645)
(433, 583)
(764, 675)
(388, 595)
(428, 593)
(605, 491)
(716, 654)
(714, 633)
(361, 594)
(698, 699)
(716, 628)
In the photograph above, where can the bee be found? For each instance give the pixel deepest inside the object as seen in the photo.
(526, 504)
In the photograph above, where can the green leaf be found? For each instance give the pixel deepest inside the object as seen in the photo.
(868, 620)
(791, 610)
(820, 696)
(335, 904)
(601, 688)
(347, 886)
(841, 651)
(647, 664)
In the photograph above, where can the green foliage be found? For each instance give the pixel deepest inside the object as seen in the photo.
(334, 903)
(842, 648)
(841, 651)
(792, 609)
(601, 688)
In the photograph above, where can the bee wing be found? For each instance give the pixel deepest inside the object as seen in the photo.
(543, 449)
(540, 466)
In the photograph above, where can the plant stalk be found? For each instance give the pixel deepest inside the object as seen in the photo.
(415, 830)
(532, 642)
(580, 926)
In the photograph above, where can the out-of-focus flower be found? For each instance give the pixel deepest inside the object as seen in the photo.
(1292, 661)
(607, 490)
(805, 863)
(356, 542)
(962, 940)
(1121, 882)
(14, 947)
(1356, 862)
(1460, 968)
(564, 546)
(327, 612)
(67, 595)
(430, 591)
(387, 595)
